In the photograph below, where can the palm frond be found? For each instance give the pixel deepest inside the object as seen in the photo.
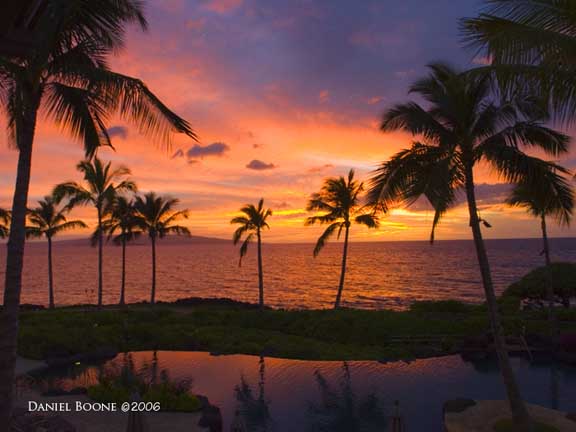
(370, 220)
(323, 239)
(81, 111)
(244, 247)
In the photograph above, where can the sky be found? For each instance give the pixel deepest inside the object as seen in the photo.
(282, 95)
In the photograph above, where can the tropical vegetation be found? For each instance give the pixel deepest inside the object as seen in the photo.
(460, 125)
(560, 277)
(48, 220)
(235, 328)
(529, 46)
(102, 184)
(340, 202)
(156, 215)
(252, 222)
(68, 77)
(462, 119)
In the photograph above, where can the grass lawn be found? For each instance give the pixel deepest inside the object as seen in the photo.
(229, 328)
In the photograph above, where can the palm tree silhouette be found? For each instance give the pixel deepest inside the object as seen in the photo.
(156, 216)
(120, 225)
(102, 183)
(4, 223)
(251, 224)
(47, 220)
(552, 196)
(67, 77)
(340, 409)
(253, 411)
(530, 48)
(463, 125)
(340, 200)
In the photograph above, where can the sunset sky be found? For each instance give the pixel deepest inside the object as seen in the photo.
(282, 94)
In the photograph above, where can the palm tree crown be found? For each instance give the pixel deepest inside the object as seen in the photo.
(47, 220)
(101, 185)
(554, 197)
(120, 223)
(531, 46)
(252, 222)
(156, 215)
(339, 199)
(462, 126)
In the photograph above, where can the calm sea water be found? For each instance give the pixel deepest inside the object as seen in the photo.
(277, 395)
(386, 274)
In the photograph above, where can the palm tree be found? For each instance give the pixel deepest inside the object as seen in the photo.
(252, 222)
(340, 409)
(47, 220)
(121, 227)
(530, 45)
(100, 190)
(156, 216)
(340, 200)
(461, 126)
(554, 198)
(4, 223)
(68, 77)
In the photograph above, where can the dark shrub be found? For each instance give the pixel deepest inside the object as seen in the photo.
(533, 285)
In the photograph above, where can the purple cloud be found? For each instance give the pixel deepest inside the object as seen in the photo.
(118, 131)
(258, 165)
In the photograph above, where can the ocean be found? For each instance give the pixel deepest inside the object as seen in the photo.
(380, 274)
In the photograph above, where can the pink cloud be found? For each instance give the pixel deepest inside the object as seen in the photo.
(222, 6)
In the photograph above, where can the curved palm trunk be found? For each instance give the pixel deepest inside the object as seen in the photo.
(549, 284)
(522, 420)
(260, 273)
(153, 293)
(343, 270)
(14, 262)
(123, 281)
(100, 247)
(50, 276)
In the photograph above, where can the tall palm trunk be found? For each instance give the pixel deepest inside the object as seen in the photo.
(260, 273)
(123, 280)
(549, 282)
(153, 293)
(100, 247)
(14, 263)
(50, 275)
(343, 270)
(545, 241)
(522, 420)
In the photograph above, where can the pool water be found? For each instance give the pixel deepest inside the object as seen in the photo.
(269, 394)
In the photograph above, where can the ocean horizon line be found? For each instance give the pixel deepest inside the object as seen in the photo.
(207, 239)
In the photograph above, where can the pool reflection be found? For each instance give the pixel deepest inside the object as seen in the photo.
(267, 394)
